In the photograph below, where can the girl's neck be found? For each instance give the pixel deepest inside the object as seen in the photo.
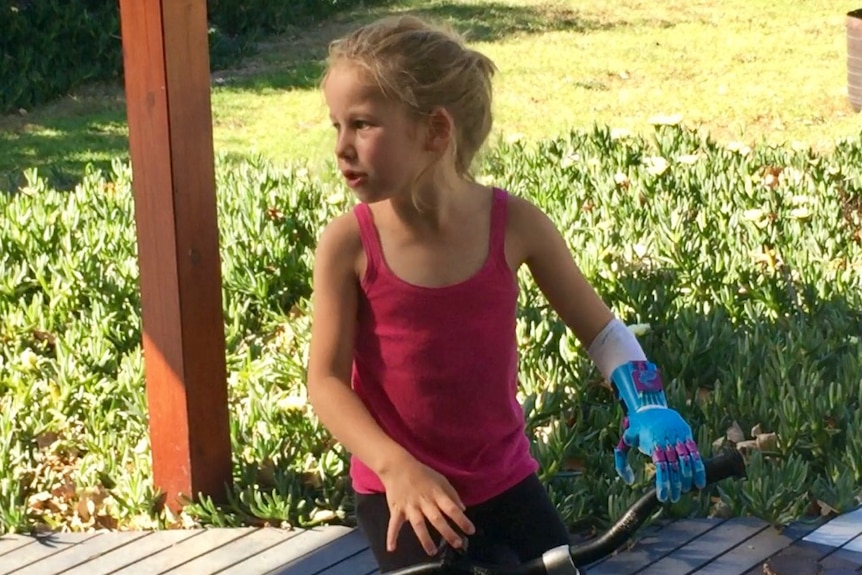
(433, 205)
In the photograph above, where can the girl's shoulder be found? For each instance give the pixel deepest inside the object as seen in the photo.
(340, 243)
(522, 215)
(342, 224)
(528, 229)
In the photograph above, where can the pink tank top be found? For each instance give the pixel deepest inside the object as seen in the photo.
(438, 369)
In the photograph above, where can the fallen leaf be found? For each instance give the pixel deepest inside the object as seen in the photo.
(826, 509)
(85, 508)
(747, 446)
(107, 522)
(767, 442)
(735, 434)
(46, 439)
(322, 515)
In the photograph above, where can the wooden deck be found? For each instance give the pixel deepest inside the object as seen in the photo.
(685, 547)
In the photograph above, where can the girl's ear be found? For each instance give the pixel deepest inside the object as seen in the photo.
(441, 130)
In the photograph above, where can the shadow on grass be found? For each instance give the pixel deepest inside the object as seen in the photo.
(296, 62)
(62, 138)
(495, 21)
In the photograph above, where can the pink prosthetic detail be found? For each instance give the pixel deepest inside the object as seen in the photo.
(646, 380)
(692, 448)
(658, 455)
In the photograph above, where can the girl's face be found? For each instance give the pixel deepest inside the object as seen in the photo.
(380, 149)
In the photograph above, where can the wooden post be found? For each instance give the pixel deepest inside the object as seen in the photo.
(167, 77)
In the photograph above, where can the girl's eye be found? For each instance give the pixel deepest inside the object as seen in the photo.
(360, 125)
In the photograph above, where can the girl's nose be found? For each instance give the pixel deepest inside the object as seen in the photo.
(344, 145)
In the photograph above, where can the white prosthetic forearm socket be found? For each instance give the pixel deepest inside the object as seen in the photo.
(621, 360)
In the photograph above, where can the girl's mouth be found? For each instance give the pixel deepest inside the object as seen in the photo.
(354, 179)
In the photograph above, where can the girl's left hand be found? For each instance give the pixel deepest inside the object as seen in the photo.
(419, 495)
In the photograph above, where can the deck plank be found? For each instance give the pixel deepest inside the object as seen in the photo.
(800, 553)
(9, 543)
(297, 545)
(841, 559)
(654, 546)
(697, 553)
(76, 555)
(150, 544)
(237, 551)
(41, 548)
(682, 547)
(854, 544)
(182, 552)
(325, 556)
(838, 531)
(754, 551)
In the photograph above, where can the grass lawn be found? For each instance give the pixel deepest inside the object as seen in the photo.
(750, 70)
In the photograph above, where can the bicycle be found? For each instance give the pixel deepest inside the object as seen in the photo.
(571, 559)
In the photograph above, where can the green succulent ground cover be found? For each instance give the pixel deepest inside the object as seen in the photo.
(744, 263)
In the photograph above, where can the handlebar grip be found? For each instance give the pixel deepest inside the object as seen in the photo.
(728, 463)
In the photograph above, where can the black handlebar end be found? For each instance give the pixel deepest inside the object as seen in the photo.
(727, 463)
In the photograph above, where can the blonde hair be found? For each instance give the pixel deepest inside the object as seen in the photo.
(426, 66)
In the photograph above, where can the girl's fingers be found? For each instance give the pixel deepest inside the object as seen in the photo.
(396, 520)
(417, 520)
(438, 520)
(436, 505)
(455, 512)
(454, 508)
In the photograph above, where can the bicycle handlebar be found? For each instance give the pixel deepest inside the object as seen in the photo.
(564, 560)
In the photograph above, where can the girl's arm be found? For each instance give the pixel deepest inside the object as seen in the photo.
(533, 239)
(414, 492)
(334, 303)
(649, 424)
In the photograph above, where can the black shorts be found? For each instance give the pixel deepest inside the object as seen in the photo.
(518, 525)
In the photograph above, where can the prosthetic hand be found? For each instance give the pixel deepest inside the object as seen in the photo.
(649, 424)
(656, 430)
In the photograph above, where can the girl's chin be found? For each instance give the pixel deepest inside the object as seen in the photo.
(373, 194)
(367, 196)
(370, 195)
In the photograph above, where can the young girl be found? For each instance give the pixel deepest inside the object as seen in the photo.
(413, 363)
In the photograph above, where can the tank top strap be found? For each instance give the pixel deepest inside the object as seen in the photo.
(370, 241)
(499, 218)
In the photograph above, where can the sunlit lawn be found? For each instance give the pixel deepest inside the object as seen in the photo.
(752, 70)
